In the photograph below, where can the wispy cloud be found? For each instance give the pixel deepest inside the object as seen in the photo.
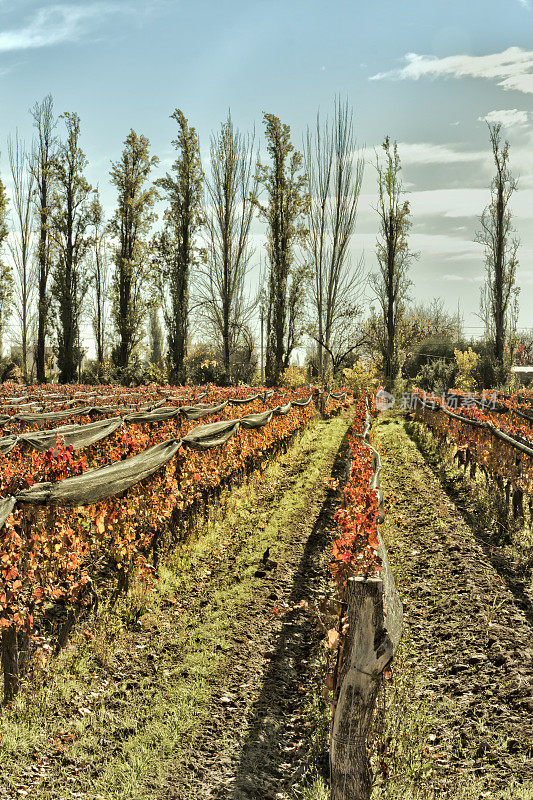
(463, 278)
(53, 25)
(432, 245)
(508, 117)
(467, 202)
(511, 69)
(525, 4)
(420, 153)
(428, 153)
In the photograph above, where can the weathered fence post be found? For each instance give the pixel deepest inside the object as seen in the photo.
(10, 665)
(367, 651)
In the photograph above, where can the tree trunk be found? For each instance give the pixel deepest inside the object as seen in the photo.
(41, 334)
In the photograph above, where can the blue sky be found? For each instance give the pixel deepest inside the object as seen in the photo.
(427, 73)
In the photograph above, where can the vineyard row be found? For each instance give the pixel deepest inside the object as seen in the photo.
(53, 552)
(497, 453)
(370, 619)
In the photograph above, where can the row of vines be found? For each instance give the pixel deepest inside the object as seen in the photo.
(370, 613)
(54, 555)
(495, 440)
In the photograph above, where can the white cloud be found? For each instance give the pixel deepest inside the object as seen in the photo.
(463, 278)
(455, 203)
(508, 117)
(511, 69)
(428, 153)
(525, 4)
(437, 246)
(52, 25)
(445, 248)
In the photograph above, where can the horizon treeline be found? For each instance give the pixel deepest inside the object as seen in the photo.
(146, 284)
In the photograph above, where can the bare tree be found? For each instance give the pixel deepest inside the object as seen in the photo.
(6, 278)
(497, 235)
(391, 283)
(41, 166)
(156, 341)
(20, 244)
(221, 280)
(99, 276)
(334, 176)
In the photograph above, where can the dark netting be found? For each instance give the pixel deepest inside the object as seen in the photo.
(236, 401)
(112, 479)
(51, 416)
(7, 443)
(55, 416)
(147, 406)
(301, 403)
(24, 407)
(199, 411)
(76, 435)
(159, 415)
(204, 437)
(80, 436)
(95, 410)
(14, 400)
(7, 505)
(103, 482)
(257, 420)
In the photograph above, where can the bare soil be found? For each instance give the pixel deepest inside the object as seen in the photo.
(468, 625)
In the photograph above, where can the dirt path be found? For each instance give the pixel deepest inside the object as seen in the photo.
(467, 640)
(256, 744)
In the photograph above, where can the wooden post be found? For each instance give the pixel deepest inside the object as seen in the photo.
(367, 651)
(518, 503)
(10, 665)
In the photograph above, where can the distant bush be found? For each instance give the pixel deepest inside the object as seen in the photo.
(437, 376)
(363, 376)
(467, 377)
(293, 378)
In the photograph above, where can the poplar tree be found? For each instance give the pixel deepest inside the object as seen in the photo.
(6, 280)
(155, 338)
(230, 188)
(391, 283)
(334, 178)
(176, 249)
(99, 277)
(69, 229)
(130, 226)
(286, 204)
(20, 243)
(498, 237)
(41, 166)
